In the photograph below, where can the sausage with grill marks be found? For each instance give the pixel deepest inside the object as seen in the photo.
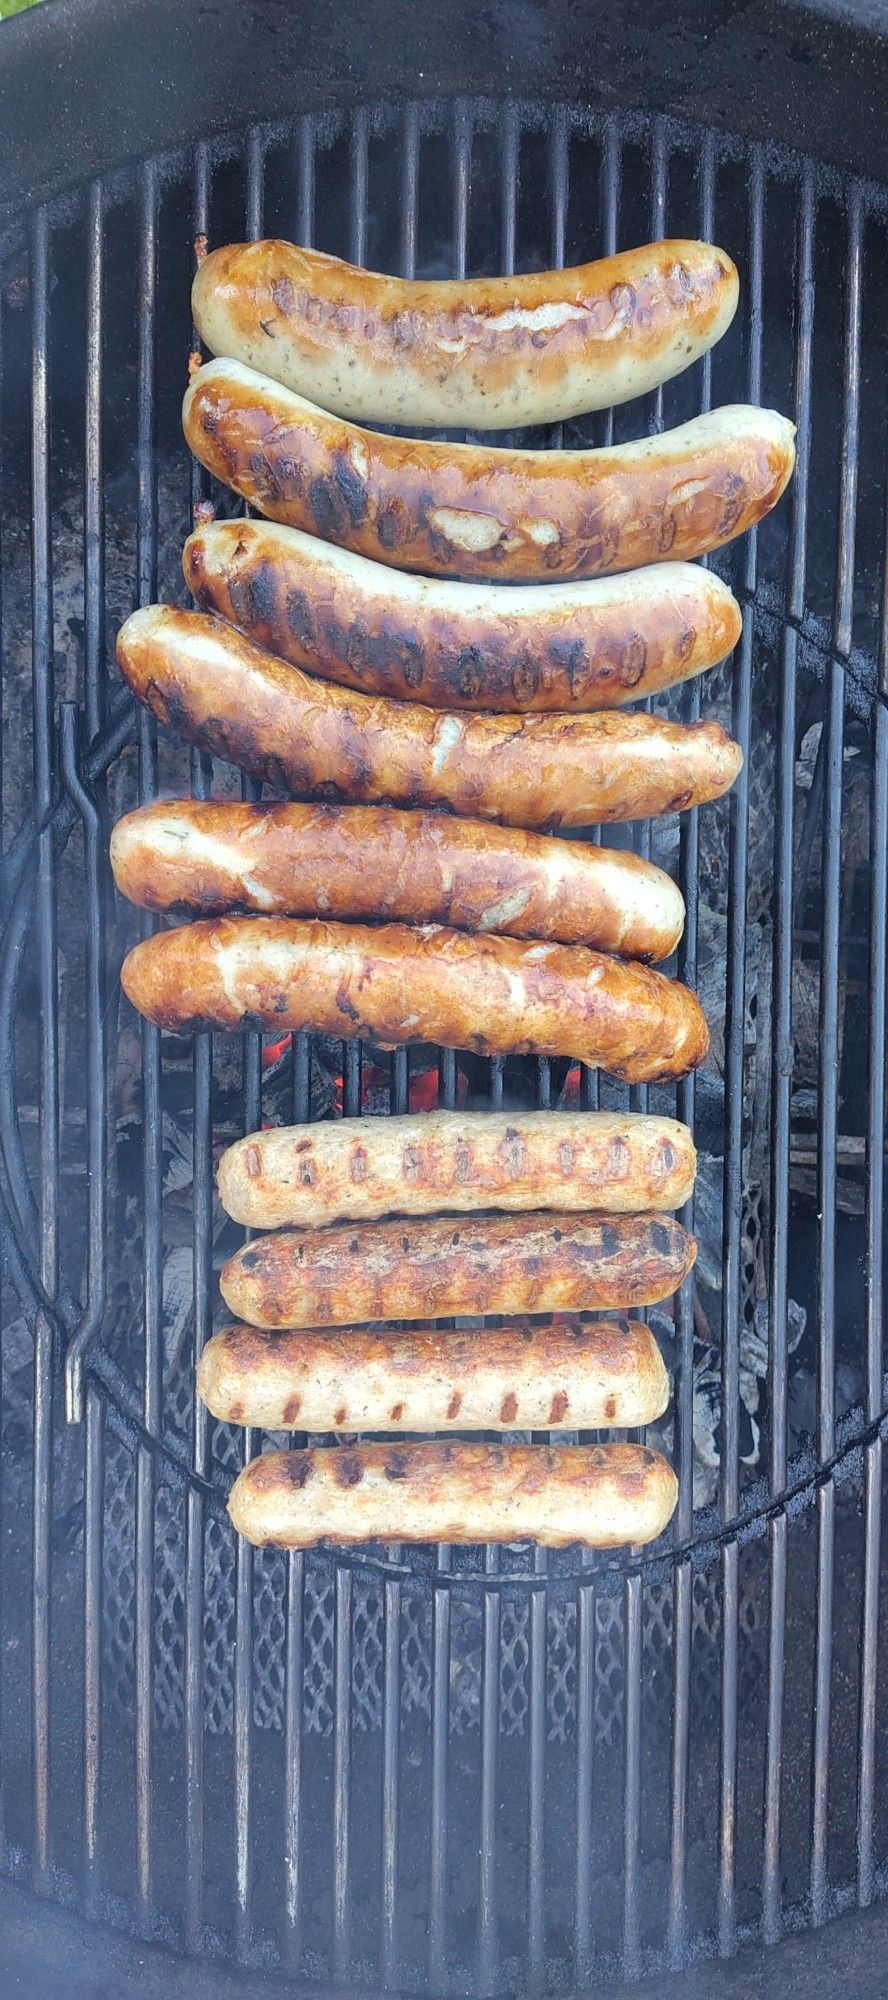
(373, 862)
(477, 511)
(444, 1267)
(496, 995)
(523, 648)
(601, 1495)
(484, 352)
(310, 740)
(361, 1169)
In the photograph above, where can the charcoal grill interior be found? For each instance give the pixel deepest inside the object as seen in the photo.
(445, 1770)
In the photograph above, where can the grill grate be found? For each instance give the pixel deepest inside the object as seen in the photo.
(439, 1769)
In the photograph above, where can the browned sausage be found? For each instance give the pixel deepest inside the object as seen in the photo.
(445, 1266)
(499, 996)
(477, 511)
(359, 1169)
(517, 649)
(603, 1495)
(304, 737)
(581, 1374)
(484, 352)
(374, 862)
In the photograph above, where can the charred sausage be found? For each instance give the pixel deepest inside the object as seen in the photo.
(479, 511)
(514, 649)
(374, 862)
(487, 352)
(582, 1374)
(305, 738)
(359, 1169)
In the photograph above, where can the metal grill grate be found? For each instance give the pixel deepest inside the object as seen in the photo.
(444, 1768)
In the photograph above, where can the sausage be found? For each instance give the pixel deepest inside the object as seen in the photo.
(498, 996)
(305, 738)
(444, 1266)
(475, 509)
(515, 649)
(488, 353)
(604, 1495)
(581, 1374)
(359, 1169)
(375, 862)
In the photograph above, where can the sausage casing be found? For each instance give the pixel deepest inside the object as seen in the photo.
(305, 738)
(499, 996)
(487, 353)
(373, 862)
(476, 510)
(582, 1374)
(551, 647)
(602, 1495)
(360, 1169)
(445, 1267)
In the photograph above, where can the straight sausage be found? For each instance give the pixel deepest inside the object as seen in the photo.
(483, 352)
(475, 510)
(359, 1169)
(604, 1495)
(373, 862)
(302, 737)
(443, 1267)
(581, 1374)
(552, 647)
(498, 996)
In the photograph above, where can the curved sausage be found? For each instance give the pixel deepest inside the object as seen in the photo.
(373, 862)
(445, 1266)
(303, 737)
(499, 996)
(603, 1495)
(484, 352)
(478, 511)
(549, 647)
(582, 1374)
(360, 1169)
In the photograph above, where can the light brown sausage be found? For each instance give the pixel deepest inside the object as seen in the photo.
(305, 738)
(583, 1375)
(444, 1267)
(360, 1169)
(499, 996)
(518, 649)
(477, 511)
(373, 862)
(484, 352)
(602, 1495)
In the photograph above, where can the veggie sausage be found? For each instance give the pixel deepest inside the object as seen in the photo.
(581, 1374)
(359, 1169)
(553, 647)
(479, 511)
(445, 1267)
(488, 353)
(374, 862)
(498, 996)
(603, 1495)
(302, 737)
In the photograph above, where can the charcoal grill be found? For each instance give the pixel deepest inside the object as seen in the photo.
(441, 1770)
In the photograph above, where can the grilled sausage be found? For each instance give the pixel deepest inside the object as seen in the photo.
(489, 353)
(374, 862)
(603, 1495)
(359, 1169)
(499, 996)
(445, 1266)
(303, 737)
(582, 1374)
(552, 647)
(479, 511)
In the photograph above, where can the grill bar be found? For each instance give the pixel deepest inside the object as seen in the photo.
(342, 1637)
(869, 1650)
